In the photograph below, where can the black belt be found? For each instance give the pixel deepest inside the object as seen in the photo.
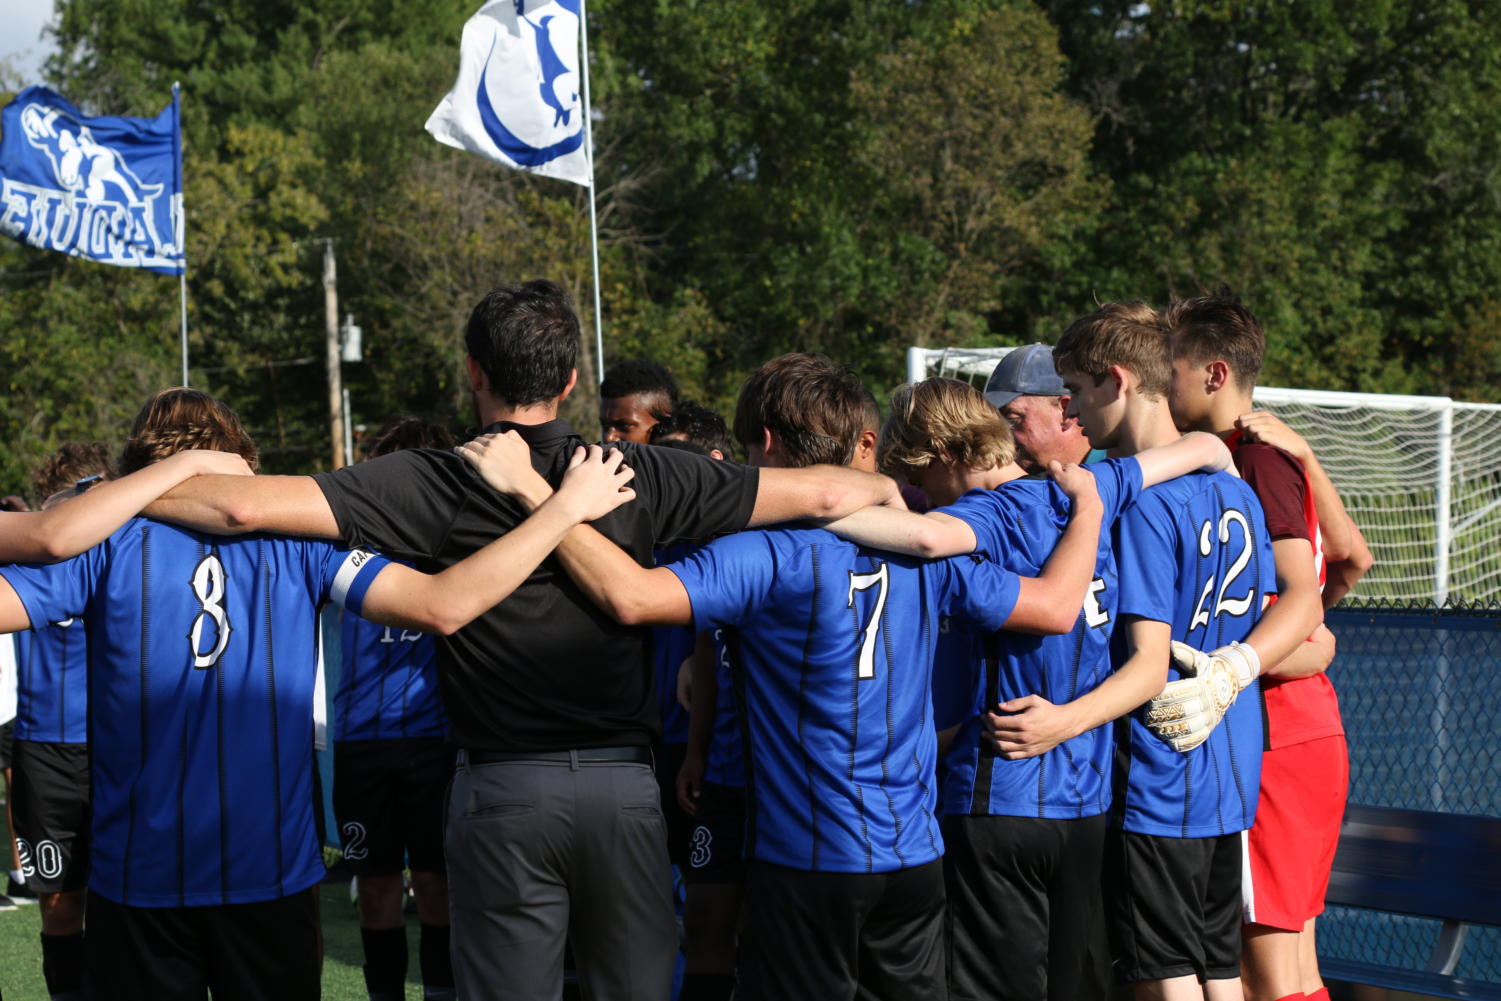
(584, 755)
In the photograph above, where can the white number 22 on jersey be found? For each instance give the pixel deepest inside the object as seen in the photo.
(1234, 606)
(208, 586)
(880, 579)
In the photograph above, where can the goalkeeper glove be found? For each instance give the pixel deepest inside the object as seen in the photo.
(1186, 711)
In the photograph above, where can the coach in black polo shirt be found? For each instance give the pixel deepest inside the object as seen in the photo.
(552, 705)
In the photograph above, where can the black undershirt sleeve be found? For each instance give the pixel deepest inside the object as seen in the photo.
(401, 504)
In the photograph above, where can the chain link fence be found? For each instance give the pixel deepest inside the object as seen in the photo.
(1417, 688)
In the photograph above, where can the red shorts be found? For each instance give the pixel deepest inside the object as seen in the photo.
(1291, 846)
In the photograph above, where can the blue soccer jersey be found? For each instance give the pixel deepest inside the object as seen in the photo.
(202, 656)
(1194, 553)
(834, 644)
(1018, 524)
(670, 646)
(725, 762)
(52, 678)
(388, 688)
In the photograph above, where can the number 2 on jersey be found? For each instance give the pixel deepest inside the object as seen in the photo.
(1233, 606)
(880, 579)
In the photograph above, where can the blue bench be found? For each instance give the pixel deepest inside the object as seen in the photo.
(1431, 865)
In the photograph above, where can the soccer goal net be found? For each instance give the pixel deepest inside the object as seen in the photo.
(1421, 476)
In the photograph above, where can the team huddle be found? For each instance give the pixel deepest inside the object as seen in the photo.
(1068, 725)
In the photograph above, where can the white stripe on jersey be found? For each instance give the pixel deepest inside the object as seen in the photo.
(348, 571)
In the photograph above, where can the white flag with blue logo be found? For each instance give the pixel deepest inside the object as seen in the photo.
(518, 97)
(106, 188)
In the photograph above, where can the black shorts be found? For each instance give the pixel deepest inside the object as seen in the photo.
(50, 807)
(842, 935)
(1174, 905)
(389, 802)
(668, 761)
(7, 740)
(716, 849)
(266, 951)
(1034, 885)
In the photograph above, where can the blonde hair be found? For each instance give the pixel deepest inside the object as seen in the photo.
(176, 420)
(943, 420)
(1132, 335)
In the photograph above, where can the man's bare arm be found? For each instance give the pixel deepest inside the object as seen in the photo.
(1312, 657)
(1049, 603)
(1029, 726)
(234, 505)
(932, 536)
(1346, 555)
(594, 485)
(822, 492)
(1291, 619)
(87, 520)
(1195, 450)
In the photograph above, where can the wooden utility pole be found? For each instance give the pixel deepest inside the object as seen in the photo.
(335, 373)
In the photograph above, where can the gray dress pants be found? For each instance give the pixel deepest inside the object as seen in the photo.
(540, 852)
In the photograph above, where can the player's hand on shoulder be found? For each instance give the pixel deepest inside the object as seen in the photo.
(1267, 428)
(1187, 710)
(1076, 482)
(504, 461)
(597, 481)
(1027, 727)
(206, 462)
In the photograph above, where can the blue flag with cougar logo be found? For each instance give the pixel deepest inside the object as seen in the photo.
(518, 97)
(106, 188)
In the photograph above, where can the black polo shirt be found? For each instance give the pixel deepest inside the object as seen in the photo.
(544, 670)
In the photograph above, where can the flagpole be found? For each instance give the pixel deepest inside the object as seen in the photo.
(182, 228)
(599, 330)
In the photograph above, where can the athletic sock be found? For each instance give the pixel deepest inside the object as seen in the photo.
(385, 963)
(437, 965)
(707, 987)
(62, 966)
(1322, 994)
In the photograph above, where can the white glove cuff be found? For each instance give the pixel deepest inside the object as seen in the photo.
(1244, 658)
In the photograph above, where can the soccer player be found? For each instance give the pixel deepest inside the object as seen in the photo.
(1024, 837)
(201, 685)
(1196, 566)
(52, 752)
(576, 689)
(635, 395)
(1217, 352)
(831, 645)
(392, 764)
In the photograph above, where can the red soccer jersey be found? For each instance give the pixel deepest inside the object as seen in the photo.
(1297, 709)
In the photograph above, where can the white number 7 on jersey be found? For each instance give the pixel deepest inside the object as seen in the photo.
(880, 578)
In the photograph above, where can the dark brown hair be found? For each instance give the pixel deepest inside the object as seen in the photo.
(176, 420)
(408, 432)
(1129, 334)
(1217, 327)
(73, 461)
(816, 408)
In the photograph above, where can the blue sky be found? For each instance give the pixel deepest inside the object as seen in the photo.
(21, 43)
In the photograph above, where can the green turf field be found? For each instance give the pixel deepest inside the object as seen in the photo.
(21, 954)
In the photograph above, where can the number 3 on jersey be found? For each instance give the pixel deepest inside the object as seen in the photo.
(1233, 606)
(880, 579)
(208, 586)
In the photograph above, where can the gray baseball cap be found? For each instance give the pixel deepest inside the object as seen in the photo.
(1026, 371)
